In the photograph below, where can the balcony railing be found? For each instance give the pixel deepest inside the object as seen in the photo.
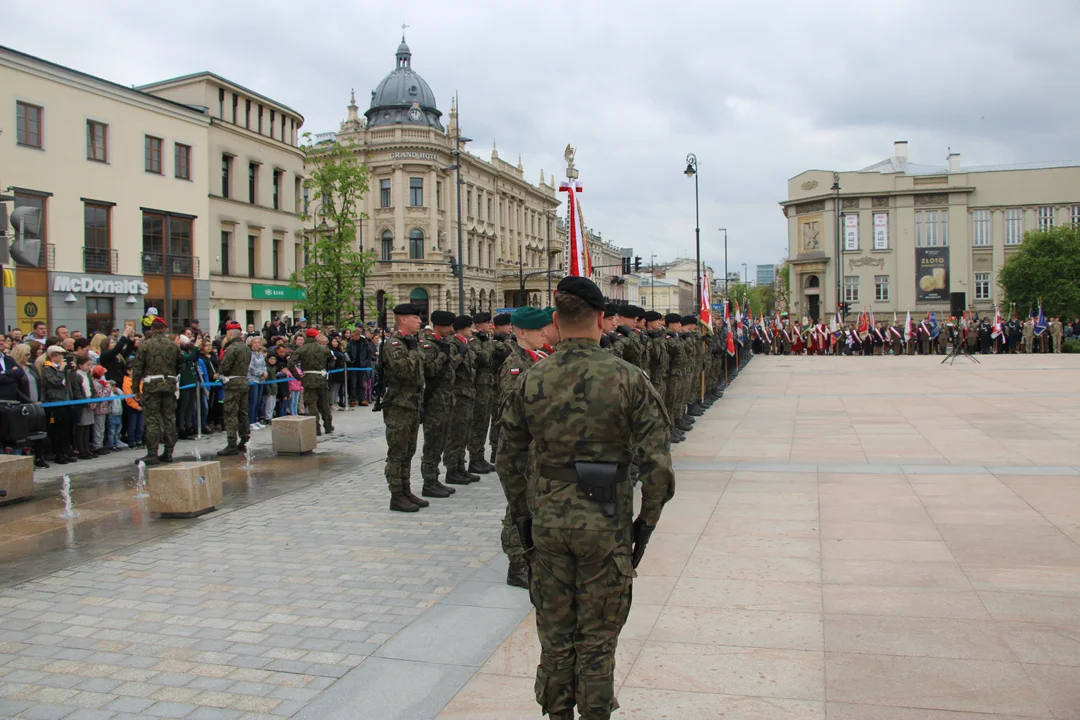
(183, 265)
(99, 260)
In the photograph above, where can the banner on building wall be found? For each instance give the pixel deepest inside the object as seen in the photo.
(851, 232)
(881, 231)
(932, 274)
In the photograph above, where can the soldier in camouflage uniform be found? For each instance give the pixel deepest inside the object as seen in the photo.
(403, 375)
(483, 361)
(504, 346)
(314, 359)
(658, 359)
(609, 336)
(677, 369)
(584, 411)
(529, 323)
(438, 402)
(692, 389)
(461, 360)
(157, 366)
(628, 345)
(233, 371)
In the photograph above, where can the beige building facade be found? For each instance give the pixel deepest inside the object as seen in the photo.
(666, 295)
(254, 168)
(917, 237)
(118, 179)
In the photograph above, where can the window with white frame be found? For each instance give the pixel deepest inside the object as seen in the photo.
(851, 288)
(982, 286)
(1046, 217)
(1014, 226)
(851, 232)
(881, 288)
(931, 228)
(980, 225)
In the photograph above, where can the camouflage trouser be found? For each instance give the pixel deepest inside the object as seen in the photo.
(581, 589)
(458, 435)
(511, 539)
(496, 412)
(436, 427)
(671, 397)
(317, 401)
(236, 412)
(159, 418)
(481, 419)
(402, 424)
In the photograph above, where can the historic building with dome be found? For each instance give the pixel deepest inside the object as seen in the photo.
(509, 224)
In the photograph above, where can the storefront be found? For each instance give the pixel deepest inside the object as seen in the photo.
(86, 302)
(258, 303)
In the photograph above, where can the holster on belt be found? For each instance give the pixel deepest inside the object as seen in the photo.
(597, 481)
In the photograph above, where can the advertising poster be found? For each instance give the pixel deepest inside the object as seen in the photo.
(932, 274)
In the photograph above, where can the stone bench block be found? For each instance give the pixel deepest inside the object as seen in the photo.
(293, 434)
(17, 477)
(184, 489)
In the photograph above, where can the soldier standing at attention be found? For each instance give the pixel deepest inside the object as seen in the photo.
(403, 374)
(314, 359)
(233, 372)
(157, 365)
(529, 323)
(438, 402)
(1057, 332)
(583, 413)
(483, 360)
(504, 347)
(607, 340)
(461, 360)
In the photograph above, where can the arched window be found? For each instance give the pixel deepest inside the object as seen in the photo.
(416, 244)
(387, 246)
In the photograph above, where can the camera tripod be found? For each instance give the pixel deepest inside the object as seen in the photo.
(951, 357)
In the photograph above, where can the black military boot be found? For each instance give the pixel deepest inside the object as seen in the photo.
(242, 445)
(400, 503)
(517, 575)
(151, 458)
(166, 455)
(490, 466)
(677, 437)
(695, 410)
(683, 424)
(408, 493)
(445, 489)
(329, 429)
(493, 456)
(432, 488)
(318, 430)
(457, 477)
(230, 449)
(477, 466)
(473, 477)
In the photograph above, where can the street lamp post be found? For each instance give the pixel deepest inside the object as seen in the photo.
(652, 272)
(459, 140)
(549, 213)
(839, 261)
(692, 171)
(745, 276)
(724, 230)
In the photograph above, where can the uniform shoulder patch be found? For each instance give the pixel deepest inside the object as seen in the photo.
(426, 346)
(395, 343)
(515, 371)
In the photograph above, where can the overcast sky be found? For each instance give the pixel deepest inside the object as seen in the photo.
(760, 91)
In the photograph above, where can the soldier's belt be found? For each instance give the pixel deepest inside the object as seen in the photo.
(596, 480)
(315, 372)
(148, 378)
(570, 475)
(227, 378)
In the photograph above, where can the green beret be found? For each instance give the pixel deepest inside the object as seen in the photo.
(530, 318)
(550, 312)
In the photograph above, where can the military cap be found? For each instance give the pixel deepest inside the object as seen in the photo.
(653, 316)
(442, 317)
(402, 309)
(611, 310)
(638, 312)
(689, 320)
(502, 319)
(481, 317)
(584, 288)
(312, 332)
(550, 312)
(462, 321)
(672, 318)
(232, 325)
(530, 318)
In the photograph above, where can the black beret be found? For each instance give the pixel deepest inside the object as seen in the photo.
(653, 316)
(611, 310)
(481, 317)
(403, 309)
(689, 320)
(442, 317)
(461, 322)
(584, 288)
(672, 318)
(638, 312)
(502, 319)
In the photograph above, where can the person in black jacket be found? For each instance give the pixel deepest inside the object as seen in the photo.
(12, 379)
(113, 357)
(360, 355)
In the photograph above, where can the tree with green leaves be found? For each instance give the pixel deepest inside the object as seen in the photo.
(1045, 268)
(335, 270)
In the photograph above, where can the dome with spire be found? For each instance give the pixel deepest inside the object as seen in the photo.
(403, 98)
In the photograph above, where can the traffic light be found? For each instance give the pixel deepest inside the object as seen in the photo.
(637, 263)
(626, 266)
(26, 250)
(454, 269)
(843, 309)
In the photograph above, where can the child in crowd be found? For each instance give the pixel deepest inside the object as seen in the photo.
(101, 389)
(133, 417)
(295, 386)
(84, 414)
(116, 418)
(270, 390)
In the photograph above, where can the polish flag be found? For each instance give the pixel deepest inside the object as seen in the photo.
(705, 311)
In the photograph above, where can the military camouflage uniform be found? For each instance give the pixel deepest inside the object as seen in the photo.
(483, 361)
(314, 360)
(677, 369)
(234, 364)
(461, 360)
(505, 345)
(510, 375)
(438, 402)
(571, 407)
(403, 374)
(159, 358)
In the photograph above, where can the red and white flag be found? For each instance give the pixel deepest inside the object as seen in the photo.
(579, 263)
(909, 330)
(705, 311)
(997, 324)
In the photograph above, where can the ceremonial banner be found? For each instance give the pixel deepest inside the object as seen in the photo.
(578, 261)
(932, 274)
(705, 311)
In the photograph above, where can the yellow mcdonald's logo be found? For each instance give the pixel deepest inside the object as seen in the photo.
(9, 278)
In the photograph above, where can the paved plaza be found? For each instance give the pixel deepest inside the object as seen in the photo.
(852, 538)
